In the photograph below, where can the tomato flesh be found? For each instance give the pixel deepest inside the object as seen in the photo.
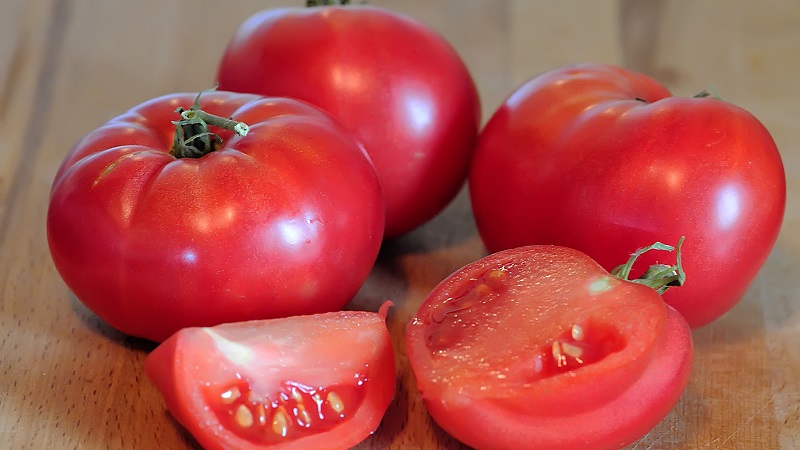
(300, 382)
(542, 336)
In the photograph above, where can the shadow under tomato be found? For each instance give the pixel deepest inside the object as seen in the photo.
(768, 306)
(410, 266)
(450, 227)
(188, 439)
(406, 423)
(680, 427)
(98, 326)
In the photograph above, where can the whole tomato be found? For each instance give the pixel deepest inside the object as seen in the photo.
(399, 86)
(538, 347)
(156, 227)
(602, 159)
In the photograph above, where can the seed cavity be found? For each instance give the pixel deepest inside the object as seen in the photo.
(335, 402)
(231, 395)
(243, 416)
(292, 412)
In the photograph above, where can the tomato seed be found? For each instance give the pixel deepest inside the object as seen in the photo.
(296, 395)
(243, 416)
(572, 350)
(336, 402)
(303, 417)
(483, 289)
(231, 395)
(561, 360)
(577, 332)
(498, 275)
(280, 422)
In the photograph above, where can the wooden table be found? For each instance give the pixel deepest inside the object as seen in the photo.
(67, 380)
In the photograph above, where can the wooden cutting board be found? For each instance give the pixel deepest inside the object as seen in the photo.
(67, 380)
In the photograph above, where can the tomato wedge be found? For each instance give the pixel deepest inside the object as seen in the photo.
(540, 347)
(304, 382)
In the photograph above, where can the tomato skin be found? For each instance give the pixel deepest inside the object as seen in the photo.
(399, 86)
(605, 404)
(304, 349)
(283, 221)
(572, 158)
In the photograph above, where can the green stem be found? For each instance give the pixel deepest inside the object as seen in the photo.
(659, 276)
(312, 3)
(709, 92)
(193, 139)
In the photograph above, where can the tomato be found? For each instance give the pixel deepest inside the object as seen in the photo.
(398, 85)
(309, 382)
(539, 347)
(285, 220)
(602, 159)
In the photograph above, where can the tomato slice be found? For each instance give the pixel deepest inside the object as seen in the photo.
(540, 347)
(305, 382)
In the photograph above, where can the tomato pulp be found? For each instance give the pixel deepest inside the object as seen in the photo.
(310, 382)
(396, 84)
(602, 159)
(285, 220)
(539, 347)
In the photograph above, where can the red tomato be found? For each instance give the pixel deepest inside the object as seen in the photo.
(602, 159)
(285, 220)
(399, 86)
(322, 381)
(539, 347)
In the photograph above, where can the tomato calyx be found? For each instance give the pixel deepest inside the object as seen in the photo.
(658, 276)
(312, 3)
(192, 136)
(708, 92)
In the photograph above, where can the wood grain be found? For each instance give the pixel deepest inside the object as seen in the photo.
(70, 381)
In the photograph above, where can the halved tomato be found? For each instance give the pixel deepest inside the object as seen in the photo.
(539, 347)
(305, 382)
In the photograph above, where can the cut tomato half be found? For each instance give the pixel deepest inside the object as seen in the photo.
(306, 382)
(539, 347)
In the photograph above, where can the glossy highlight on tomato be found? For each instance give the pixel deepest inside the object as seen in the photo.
(287, 219)
(399, 86)
(603, 160)
(306, 382)
(539, 347)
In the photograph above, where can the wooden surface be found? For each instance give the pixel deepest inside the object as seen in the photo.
(67, 380)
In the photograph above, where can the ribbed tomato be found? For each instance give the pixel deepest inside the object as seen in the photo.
(154, 235)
